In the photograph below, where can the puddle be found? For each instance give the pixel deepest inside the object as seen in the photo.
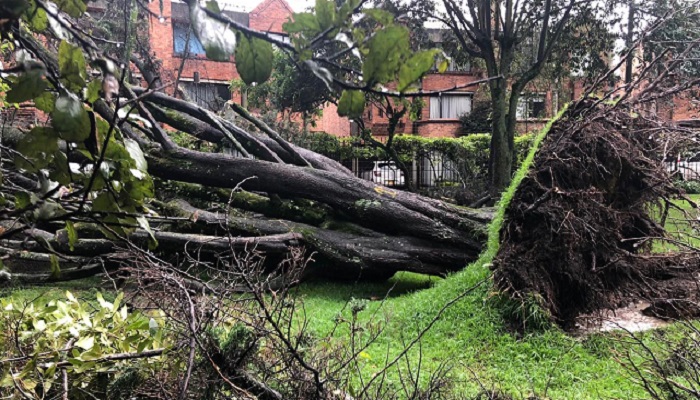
(628, 318)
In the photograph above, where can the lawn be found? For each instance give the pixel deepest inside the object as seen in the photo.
(470, 337)
(679, 228)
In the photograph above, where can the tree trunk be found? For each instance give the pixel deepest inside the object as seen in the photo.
(355, 227)
(501, 155)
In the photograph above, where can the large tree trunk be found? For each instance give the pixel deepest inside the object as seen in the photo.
(355, 228)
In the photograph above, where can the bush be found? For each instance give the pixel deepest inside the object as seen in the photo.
(478, 120)
(690, 187)
(73, 346)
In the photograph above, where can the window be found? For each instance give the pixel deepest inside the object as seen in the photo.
(211, 96)
(181, 34)
(450, 106)
(530, 105)
(455, 66)
(279, 37)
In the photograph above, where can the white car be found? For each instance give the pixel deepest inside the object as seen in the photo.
(387, 173)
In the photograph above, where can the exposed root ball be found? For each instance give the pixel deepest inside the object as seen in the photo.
(577, 232)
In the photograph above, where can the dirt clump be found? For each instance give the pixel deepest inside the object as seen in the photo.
(578, 233)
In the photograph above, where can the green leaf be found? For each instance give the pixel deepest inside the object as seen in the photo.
(217, 38)
(71, 65)
(443, 65)
(152, 241)
(72, 235)
(39, 146)
(37, 18)
(387, 51)
(55, 267)
(27, 86)
(415, 67)
(305, 23)
(384, 17)
(93, 90)
(213, 6)
(70, 119)
(253, 59)
(152, 326)
(45, 102)
(60, 171)
(74, 8)
(351, 104)
(86, 343)
(136, 154)
(104, 202)
(325, 13)
(24, 200)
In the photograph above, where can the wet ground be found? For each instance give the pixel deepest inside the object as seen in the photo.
(630, 318)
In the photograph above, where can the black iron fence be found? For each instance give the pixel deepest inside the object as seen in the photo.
(686, 169)
(426, 169)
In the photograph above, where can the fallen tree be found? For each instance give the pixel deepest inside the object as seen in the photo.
(579, 232)
(355, 227)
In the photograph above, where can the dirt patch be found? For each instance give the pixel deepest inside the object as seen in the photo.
(577, 235)
(631, 318)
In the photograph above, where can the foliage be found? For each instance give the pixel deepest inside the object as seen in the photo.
(479, 119)
(675, 36)
(469, 148)
(690, 186)
(290, 88)
(43, 339)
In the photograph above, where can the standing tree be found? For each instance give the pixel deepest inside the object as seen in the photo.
(497, 32)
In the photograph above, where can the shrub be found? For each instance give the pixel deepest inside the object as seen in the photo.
(478, 120)
(690, 187)
(65, 346)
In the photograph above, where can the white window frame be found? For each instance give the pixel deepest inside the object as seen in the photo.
(524, 108)
(436, 111)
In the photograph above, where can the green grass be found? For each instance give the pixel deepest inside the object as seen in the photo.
(679, 228)
(84, 289)
(470, 336)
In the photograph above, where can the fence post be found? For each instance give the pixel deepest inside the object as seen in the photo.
(414, 169)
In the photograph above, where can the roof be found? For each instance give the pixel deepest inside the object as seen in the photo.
(267, 3)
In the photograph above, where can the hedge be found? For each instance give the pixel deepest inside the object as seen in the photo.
(472, 148)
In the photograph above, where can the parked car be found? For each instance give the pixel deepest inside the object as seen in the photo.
(387, 173)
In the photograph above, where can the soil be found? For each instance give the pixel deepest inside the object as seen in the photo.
(578, 233)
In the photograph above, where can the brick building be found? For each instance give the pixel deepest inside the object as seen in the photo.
(440, 116)
(204, 81)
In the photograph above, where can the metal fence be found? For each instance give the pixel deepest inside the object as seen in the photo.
(688, 169)
(427, 170)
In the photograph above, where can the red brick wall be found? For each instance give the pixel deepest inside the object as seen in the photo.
(270, 15)
(446, 81)
(332, 123)
(26, 116)
(161, 40)
(683, 106)
(438, 128)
